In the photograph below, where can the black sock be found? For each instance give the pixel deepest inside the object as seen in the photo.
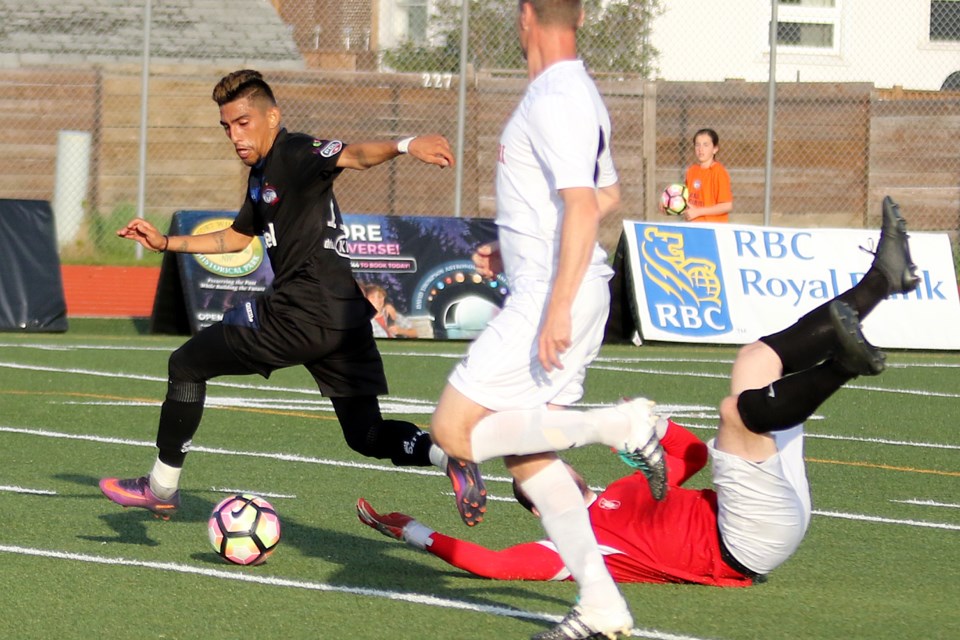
(367, 433)
(812, 339)
(790, 400)
(178, 424)
(179, 419)
(410, 445)
(867, 294)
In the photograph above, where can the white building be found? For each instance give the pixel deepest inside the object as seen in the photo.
(911, 43)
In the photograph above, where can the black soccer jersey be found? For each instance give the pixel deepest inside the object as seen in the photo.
(290, 202)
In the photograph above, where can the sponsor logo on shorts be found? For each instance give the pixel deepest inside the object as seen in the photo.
(683, 280)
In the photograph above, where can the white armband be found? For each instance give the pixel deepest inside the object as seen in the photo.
(404, 145)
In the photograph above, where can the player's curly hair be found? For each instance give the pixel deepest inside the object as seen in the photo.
(245, 83)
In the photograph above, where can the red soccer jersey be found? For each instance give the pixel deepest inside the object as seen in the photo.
(674, 540)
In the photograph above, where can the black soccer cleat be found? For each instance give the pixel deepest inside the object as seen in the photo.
(892, 256)
(855, 354)
(576, 625)
(468, 489)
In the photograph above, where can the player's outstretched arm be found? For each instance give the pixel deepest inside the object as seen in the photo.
(225, 241)
(431, 149)
(525, 561)
(686, 453)
(146, 234)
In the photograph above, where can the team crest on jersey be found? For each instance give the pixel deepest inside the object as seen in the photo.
(332, 148)
(609, 505)
(697, 184)
(270, 195)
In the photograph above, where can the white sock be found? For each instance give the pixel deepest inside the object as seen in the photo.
(418, 535)
(525, 431)
(164, 479)
(567, 523)
(437, 457)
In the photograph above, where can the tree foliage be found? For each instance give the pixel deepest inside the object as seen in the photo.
(615, 38)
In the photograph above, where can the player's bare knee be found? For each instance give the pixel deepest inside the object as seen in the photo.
(756, 366)
(730, 415)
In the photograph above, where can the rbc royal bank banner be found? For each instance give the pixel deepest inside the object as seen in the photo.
(731, 284)
(423, 266)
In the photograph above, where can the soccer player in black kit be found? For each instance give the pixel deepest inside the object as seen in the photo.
(315, 315)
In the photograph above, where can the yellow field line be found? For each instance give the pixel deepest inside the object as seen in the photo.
(74, 394)
(99, 396)
(886, 467)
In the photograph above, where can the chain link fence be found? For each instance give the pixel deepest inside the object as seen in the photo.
(866, 103)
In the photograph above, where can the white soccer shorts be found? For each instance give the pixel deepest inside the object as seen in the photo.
(763, 508)
(501, 370)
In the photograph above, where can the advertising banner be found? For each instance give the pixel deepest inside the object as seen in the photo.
(31, 287)
(424, 265)
(194, 290)
(731, 284)
(417, 270)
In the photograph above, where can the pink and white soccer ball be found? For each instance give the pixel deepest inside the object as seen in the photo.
(674, 199)
(244, 529)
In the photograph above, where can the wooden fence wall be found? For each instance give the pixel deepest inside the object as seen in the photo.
(838, 148)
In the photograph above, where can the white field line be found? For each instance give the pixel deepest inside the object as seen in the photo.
(424, 407)
(660, 372)
(39, 492)
(865, 518)
(387, 405)
(447, 355)
(262, 494)
(286, 457)
(928, 503)
(724, 376)
(163, 379)
(831, 436)
(272, 581)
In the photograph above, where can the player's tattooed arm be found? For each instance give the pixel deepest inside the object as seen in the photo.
(227, 240)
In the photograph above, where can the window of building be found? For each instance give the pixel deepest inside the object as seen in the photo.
(416, 12)
(945, 21)
(808, 25)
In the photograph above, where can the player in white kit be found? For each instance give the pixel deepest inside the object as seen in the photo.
(555, 181)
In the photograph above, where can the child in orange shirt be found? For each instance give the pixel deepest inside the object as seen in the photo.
(711, 199)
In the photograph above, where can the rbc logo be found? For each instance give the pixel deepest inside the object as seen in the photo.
(683, 281)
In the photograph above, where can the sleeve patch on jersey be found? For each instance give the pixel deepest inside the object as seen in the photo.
(332, 148)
